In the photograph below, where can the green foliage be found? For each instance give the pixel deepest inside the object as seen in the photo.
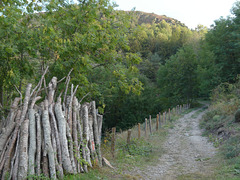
(128, 110)
(223, 40)
(221, 128)
(177, 79)
(136, 147)
(231, 148)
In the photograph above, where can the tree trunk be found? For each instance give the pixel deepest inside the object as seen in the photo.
(39, 144)
(96, 133)
(5, 135)
(75, 135)
(25, 103)
(13, 110)
(62, 135)
(23, 151)
(32, 142)
(47, 140)
(70, 145)
(86, 137)
(10, 147)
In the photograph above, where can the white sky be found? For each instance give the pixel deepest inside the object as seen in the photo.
(189, 12)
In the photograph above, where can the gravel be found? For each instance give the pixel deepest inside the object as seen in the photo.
(186, 152)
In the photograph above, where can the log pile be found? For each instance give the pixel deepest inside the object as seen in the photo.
(47, 135)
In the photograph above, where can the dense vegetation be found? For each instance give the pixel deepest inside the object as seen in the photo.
(132, 63)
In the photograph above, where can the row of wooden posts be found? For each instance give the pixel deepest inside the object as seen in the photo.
(161, 119)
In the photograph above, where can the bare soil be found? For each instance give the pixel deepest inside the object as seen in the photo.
(188, 155)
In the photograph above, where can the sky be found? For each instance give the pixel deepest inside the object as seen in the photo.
(189, 12)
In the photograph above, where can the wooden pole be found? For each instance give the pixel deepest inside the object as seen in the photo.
(129, 136)
(157, 123)
(150, 124)
(159, 120)
(113, 141)
(169, 114)
(164, 117)
(146, 127)
(139, 131)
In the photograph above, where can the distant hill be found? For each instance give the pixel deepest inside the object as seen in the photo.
(150, 18)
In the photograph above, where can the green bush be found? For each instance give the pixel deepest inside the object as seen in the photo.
(231, 148)
(136, 147)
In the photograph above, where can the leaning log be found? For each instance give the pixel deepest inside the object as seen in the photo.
(23, 151)
(86, 136)
(47, 140)
(62, 136)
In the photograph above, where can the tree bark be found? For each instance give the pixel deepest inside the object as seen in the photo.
(10, 147)
(62, 135)
(32, 141)
(5, 135)
(75, 135)
(86, 137)
(96, 133)
(23, 151)
(38, 144)
(25, 103)
(13, 110)
(47, 140)
(70, 145)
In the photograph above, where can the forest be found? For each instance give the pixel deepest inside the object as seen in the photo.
(131, 63)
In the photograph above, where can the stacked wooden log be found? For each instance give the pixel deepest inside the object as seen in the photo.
(49, 136)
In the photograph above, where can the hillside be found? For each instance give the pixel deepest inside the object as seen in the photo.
(150, 18)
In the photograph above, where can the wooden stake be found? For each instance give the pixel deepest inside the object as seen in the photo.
(150, 124)
(169, 114)
(159, 120)
(157, 123)
(129, 136)
(139, 131)
(164, 118)
(146, 127)
(113, 141)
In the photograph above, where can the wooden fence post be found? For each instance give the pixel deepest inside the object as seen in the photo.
(129, 136)
(163, 118)
(169, 114)
(139, 131)
(157, 123)
(159, 120)
(113, 141)
(150, 124)
(146, 127)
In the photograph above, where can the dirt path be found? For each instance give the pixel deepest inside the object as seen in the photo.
(187, 155)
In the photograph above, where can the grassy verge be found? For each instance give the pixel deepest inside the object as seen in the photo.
(222, 129)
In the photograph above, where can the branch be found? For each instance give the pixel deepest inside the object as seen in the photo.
(39, 84)
(19, 93)
(84, 97)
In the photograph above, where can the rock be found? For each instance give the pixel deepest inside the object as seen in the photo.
(237, 116)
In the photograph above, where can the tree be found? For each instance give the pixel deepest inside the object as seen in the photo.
(177, 79)
(223, 40)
